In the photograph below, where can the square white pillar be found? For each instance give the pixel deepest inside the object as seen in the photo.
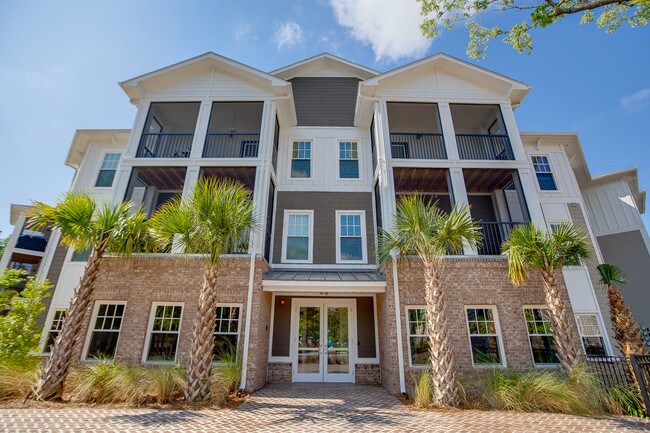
(513, 132)
(137, 129)
(459, 192)
(529, 188)
(448, 131)
(201, 129)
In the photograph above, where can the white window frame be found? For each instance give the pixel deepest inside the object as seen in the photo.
(147, 340)
(364, 242)
(552, 173)
(239, 323)
(600, 330)
(499, 335)
(311, 158)
(528, 335)
(407, 308)
(99, 168)
(48, 329)
(91, 326)
(338, 161)
(285, 232)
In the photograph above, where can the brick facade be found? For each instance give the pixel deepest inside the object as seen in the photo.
(279, 372)
(367, 374)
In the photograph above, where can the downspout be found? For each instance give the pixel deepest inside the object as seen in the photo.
(398, 328)
(247, 331)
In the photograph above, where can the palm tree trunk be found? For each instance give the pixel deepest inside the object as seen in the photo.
(443, 371)
(199, 366)
(565, 334)
(627, 332)
(49, 384)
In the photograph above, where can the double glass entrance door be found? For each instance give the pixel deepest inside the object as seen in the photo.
(323, 341)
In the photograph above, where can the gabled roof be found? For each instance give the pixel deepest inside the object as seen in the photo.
(83, 137)
(325, 62)
(16, 210)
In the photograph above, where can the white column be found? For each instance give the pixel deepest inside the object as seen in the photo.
(201, 129)
(386, 182)
(532, 199)
(11, 243)
(263, 176)
(448, 130)
(50, 250)
(191, 177)
(513, 132)
(137, 129)
(122, 178)
(459, 191)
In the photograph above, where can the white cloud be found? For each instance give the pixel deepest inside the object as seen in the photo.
(288, 35)
(636, 100)
(242, 33)
(391, 27)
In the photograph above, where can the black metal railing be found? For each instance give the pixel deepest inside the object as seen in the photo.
(165, 145)
(610, 370)
(231, 145)
(641, 368)
(494, 233)
(417, 145)
(484, 146)
(32, 243)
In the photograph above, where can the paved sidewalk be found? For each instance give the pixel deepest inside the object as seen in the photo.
(306, 408)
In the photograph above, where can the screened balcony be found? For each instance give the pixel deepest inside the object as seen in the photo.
(234, 130)
(431, 183)
(415, 131)
(169, 130)
(481, 132)
(33, 240)
(497, 203)
(151, 187)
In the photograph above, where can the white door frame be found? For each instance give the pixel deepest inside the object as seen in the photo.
(322, 375)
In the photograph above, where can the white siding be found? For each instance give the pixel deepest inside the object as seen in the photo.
(611, 208)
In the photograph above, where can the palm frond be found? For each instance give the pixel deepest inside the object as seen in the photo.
(611, 275)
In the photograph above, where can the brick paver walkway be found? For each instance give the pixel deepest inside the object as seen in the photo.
(306, 408)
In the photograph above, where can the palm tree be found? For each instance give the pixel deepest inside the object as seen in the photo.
(425, 231)
(217, 218)
(83, 224)
(627, 332)
(531, 248)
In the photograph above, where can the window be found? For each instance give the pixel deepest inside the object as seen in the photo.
(592, 339)
(350, 242)
(55, 327)
(106, 331)
(418, 338)
(81, 255)
(484, 336)
(226, 331)
(348, 160)
(543, 173)
(163, 332)
(301, 159)
(540, 335)
(297, 242)
(107, 170)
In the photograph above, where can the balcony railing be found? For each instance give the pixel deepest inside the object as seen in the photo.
(231, 145)
(494, 233)
(32, 243)
(483, 146)
(417, 145)
(165, 145)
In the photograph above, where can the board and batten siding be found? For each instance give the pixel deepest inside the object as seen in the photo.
(324, 205)
(325, 101)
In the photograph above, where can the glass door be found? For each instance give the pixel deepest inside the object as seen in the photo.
(309, 351)
(338, 367)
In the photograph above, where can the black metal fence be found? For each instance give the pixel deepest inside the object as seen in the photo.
(417, 145)
(231, 145)
(641, 367)
(483, 146)
(165, 145)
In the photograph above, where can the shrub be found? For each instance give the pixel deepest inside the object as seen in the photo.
(229, 369)
(17, 380)
(423, 392)
(164, 384)
(219, 389)
(106, 382)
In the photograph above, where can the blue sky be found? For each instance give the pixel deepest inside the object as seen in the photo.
(60, 63)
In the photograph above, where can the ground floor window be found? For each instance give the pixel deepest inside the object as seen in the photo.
(106, 323)
(164, 329)
(226, 332)
(592, 339)
(484, 336)
(418, 339)
(540, 335)
(55, 328)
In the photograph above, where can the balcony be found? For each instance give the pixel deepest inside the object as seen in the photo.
(480, 132)
(417, 145)
(33, 241)
(479, 146)
(169, 130)
(151, 187)
(494, 233)
(234, 130)
(415, 131)
(231, 145)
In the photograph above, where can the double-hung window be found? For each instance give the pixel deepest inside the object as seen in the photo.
(540, 335)
(418, 338)
(226, 332)
(301, 159)
(592, 338)
(107, 170)
(298, 228)
(55, 328)
(348, 160)
(544, 173)
(350, 240)
(484, 336)
(164, 329)
(107, 323)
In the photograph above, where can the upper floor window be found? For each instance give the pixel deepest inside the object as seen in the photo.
(592, 338)
(301, 159)
(298, 229)
(540, 335)
(484, 336)
(350, 241)
(544, 173)
(108, 170)
(348, 160)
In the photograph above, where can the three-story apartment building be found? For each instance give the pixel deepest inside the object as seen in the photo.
(326, 147)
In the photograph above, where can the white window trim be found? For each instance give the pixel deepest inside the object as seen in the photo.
(285, 232)
(239, 323)
(48, 328)
(338, 161)
(530, 346)
(408, 335)
(364, 242)
(98, 168)
(91, 326)
(499, 335)
(600, 330)
(147, 339)
(311, 158)
(552, 172)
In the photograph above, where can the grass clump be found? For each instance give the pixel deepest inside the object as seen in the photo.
(17, 379)
(164, 384)
(106, 382)
(423, 390)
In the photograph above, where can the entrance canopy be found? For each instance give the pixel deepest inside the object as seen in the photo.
(319, 281)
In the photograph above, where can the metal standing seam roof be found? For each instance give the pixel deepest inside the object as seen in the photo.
(325, 275)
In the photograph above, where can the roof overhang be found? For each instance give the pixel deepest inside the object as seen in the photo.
(83, 137)
(16, 211)
(322, 287)
(324, 65)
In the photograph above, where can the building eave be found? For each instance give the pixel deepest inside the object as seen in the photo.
(82, 139)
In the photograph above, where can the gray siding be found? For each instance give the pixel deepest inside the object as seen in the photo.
(324, 205)
(325, 101)
(53, 277)
(281, 327)
(628, 251)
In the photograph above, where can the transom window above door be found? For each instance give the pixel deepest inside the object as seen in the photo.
(301, 160)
